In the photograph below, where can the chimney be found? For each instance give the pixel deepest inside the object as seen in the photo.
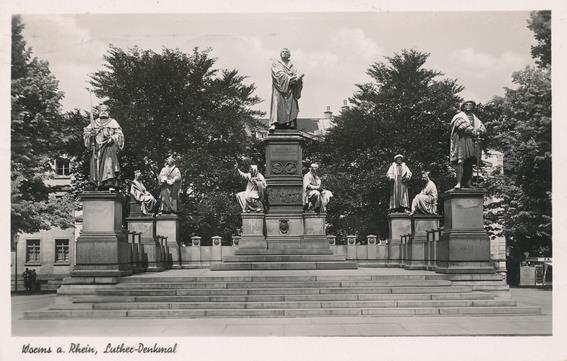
(328, 113)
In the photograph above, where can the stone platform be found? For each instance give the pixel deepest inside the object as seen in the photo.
(275, 294)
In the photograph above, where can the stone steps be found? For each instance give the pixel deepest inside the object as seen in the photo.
(283, 258)
(285, 278)
(272, 313)
(288, 304)
(284, 251)
(291, 298)
(316, 265)
(281, 291)
(292, 284)
(249, 294)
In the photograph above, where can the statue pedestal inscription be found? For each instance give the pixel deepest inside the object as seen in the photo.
(102, 248)
(420, 223)
(464, 246)
(399, 224)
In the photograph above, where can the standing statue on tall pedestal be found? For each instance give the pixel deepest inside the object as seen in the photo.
(314, 196)
(287, 83)
(252, 199)
(139, 193)
(169, 181)
(399, 175)
(426, 201)
(466, 129)
(104, 137)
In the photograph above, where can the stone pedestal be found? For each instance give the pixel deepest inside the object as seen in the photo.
(314, 230)
(371, 247)
(399, 224)
(420, 224)
(167, 225)
(253, 231)
(464, 246)
(102, 249)
(284, 171)
(284, 230)
(146, 225)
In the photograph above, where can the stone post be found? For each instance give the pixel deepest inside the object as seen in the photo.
(235, 241)
(216, 250)
(464, 246)
(351, 247)
(399, 224)
(420, 224)
(371, 246)
(102, 249)
(167, 225)
(133, 251)
(331, 239)
(195, 249)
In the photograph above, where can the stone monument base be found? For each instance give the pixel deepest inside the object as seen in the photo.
(464, 246)
(167, 225)
(252, 235)
(102, 249)
(399, 224)
(420, 224)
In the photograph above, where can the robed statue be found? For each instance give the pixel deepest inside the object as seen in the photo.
(466, 130)
(287, 83)
(315, 198)
(140, 194)
(169, 181)
(252, 199)
(104, 137)
(399, 176)
(426, 201)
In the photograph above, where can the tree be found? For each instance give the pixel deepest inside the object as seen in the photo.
(177, 103)
(522, 130)
(405, 109)
(540, 24)
(35, 139)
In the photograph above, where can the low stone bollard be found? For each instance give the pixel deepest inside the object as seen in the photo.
(371, 247)
(332, 239)
(235, 241)
(351, 246)
(216, 252)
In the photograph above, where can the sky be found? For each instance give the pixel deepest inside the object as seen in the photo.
(334, 50)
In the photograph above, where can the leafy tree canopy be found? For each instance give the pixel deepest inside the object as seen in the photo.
(406, 108)
(36, 136)
(540, 23)
(178, 103)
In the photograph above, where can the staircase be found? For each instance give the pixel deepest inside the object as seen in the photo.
(319, 294)
(283, 259)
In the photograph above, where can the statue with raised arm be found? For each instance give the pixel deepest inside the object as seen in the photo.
(140, 194)
(104, 137)
(287, 83)
(169, 181)
(466, 130)
(315, 198)
(399, 175)
(426, 201)
(252, 198)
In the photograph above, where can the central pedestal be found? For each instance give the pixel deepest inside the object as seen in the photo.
(464, 246)
(146, 225)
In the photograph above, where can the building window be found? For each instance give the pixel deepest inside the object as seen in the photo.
(62, 167)
(32, 251)
(62, 250)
